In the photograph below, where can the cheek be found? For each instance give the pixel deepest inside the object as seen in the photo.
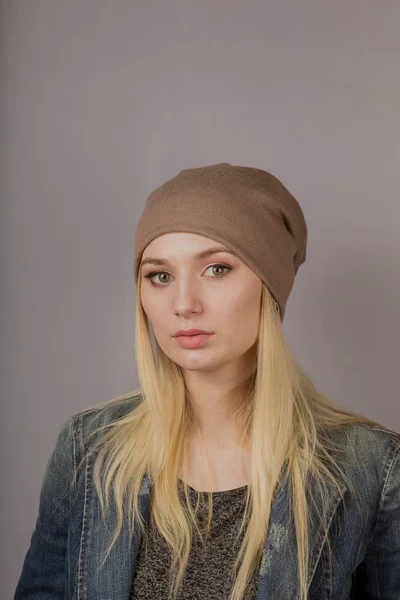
(157, 320)
(153, 311)
(241, 319)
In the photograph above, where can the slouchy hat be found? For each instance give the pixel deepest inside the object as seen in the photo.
(247, 209)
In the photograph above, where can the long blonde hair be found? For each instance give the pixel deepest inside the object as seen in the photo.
(283, 416)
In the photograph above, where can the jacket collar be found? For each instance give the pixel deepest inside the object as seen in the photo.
(278, 571)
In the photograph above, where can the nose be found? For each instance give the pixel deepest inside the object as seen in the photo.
(187, 298)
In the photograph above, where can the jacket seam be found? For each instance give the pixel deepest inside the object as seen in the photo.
(323, 537)
(77, 453)
(382, 429)
(85, 529)
(77, 444)
(394, 449)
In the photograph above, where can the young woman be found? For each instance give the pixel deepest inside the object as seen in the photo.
(227, 474)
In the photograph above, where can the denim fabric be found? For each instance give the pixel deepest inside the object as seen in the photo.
(70, 538)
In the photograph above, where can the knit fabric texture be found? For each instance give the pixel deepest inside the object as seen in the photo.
(247, 209)
(209, 574)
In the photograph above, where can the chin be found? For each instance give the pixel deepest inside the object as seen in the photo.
(196, 362)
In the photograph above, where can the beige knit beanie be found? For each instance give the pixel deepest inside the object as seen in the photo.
(246, 209)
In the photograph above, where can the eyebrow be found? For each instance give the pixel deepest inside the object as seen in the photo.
(204, 254)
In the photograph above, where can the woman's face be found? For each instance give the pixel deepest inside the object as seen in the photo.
(217, 293)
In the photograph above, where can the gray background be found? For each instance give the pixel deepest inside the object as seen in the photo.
(103, 101)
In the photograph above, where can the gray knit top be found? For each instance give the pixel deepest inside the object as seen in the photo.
(209, 574)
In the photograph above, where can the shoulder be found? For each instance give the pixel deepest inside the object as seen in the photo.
(369, 454)
(367, 440)
(86, 422)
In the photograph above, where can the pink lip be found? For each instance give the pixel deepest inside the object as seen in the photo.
(190, 332)
(192, 341)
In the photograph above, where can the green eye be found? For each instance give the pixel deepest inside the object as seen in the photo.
(155, 273)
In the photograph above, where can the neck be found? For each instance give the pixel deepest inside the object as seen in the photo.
(217, 417)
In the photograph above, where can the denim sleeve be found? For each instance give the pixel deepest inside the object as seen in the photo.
(44, 572)
(378, 576)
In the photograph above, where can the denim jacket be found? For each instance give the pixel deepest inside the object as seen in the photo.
(62, 562)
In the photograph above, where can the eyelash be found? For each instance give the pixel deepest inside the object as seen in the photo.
(154, 273)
